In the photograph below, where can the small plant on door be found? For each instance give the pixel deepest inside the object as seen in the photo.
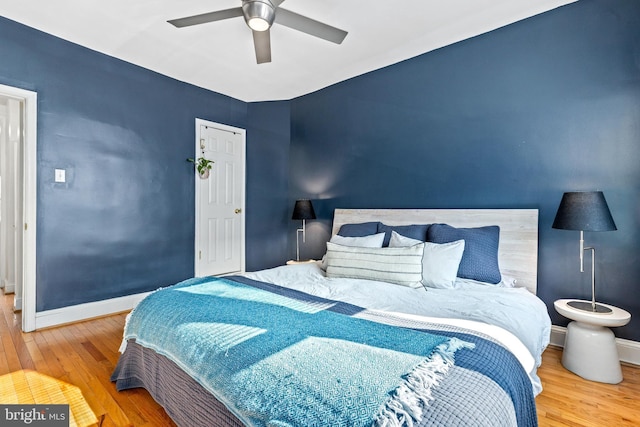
(203, 166)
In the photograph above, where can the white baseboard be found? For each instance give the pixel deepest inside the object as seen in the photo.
(628, 351)
(77, 313)
(9, 288)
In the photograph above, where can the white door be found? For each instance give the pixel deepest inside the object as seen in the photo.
(219, 238)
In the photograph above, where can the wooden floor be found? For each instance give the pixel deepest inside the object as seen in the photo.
(84, 355)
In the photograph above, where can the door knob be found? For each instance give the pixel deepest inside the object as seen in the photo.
(238, 211)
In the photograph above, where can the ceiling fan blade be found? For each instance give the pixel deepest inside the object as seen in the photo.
(309, 26)
(206, 17)
(276, 3)
(262, 43)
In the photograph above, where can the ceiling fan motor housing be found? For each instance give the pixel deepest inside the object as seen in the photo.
(258, 14)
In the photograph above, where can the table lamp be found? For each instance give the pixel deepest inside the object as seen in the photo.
(303, 210)
(585, 211)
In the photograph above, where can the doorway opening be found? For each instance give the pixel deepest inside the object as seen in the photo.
(18, 199)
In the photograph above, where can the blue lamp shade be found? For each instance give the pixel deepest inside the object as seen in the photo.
(303, 209)
(584, 211)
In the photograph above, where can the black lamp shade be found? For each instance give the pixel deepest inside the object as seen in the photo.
(303, 210)
(584, 211)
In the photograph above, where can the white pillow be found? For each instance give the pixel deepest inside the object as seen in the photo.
(371, 241)
(440, 261)
(397, 240)
(400, 266)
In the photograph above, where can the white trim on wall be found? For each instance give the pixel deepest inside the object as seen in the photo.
(9, 287)
(628, 351)
(90, 310)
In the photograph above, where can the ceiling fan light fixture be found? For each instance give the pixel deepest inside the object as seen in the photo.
(259, 15)
(258, 24)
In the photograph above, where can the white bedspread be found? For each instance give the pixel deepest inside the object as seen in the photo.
(513, 316)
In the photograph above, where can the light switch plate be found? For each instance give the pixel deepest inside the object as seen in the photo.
(60, 175)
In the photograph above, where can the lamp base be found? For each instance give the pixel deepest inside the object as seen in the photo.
(296, 262)
(587, 306)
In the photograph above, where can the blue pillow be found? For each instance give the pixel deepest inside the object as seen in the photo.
(415, 231)
(358, 230)
(480, 256)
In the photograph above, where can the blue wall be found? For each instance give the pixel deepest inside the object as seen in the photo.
(509, 119)
(268, 214)
(123, 222)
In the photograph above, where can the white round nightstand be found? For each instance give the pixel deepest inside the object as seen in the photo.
(589, 346)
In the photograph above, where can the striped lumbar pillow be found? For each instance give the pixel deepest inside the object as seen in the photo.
(401, 266)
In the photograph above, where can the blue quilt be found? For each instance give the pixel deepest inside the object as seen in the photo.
(280, 361)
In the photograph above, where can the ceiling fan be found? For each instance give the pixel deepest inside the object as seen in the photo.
(260, 16)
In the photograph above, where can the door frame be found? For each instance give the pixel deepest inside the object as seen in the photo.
(29, 197)
(243, 186)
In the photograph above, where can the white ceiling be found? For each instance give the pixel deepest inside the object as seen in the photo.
(220, 56)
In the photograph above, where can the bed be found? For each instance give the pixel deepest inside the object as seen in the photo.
(414, 317)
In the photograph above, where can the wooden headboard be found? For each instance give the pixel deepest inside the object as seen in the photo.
(518, 250)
